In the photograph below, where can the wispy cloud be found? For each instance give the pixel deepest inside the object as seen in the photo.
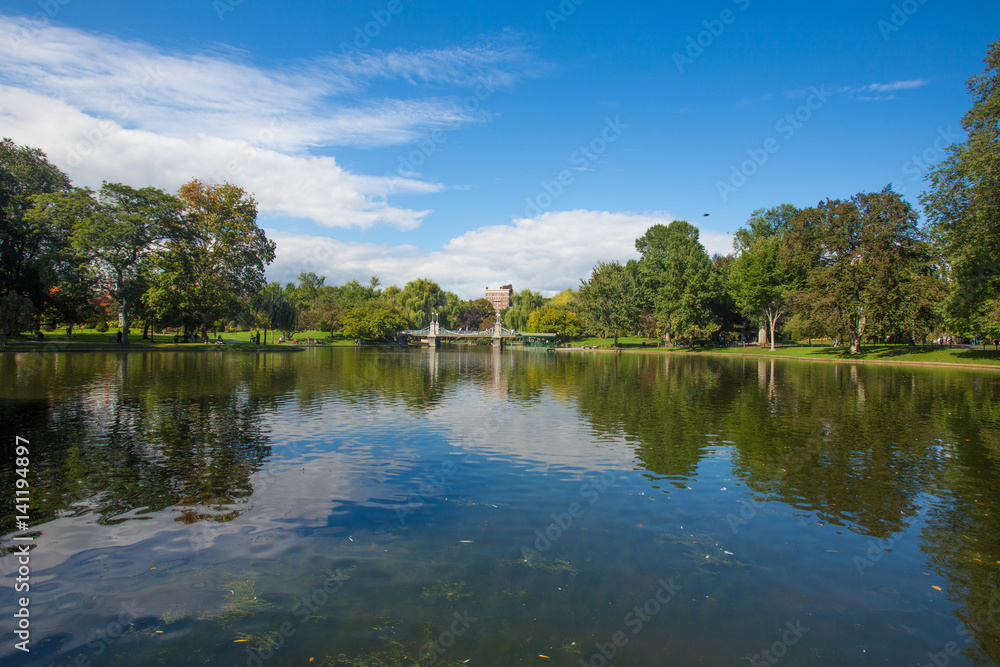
(881, 92)
(108, 109)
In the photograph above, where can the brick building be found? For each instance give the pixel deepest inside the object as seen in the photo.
(500, 298)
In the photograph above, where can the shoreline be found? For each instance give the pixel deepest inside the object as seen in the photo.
(988, 365)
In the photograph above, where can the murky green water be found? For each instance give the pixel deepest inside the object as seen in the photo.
(345, 507)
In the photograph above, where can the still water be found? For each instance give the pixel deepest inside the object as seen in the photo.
(470, 506)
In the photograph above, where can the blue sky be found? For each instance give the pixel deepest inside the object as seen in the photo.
(486, 143)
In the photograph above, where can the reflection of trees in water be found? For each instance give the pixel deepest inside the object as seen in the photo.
(666, 405)
(961, 536)
(850, 443)
(112, 434)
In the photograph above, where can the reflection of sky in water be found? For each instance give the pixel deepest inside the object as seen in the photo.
(427, 506)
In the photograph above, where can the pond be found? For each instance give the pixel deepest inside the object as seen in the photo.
(485, 507)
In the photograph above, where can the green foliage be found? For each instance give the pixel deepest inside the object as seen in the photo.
(16, 313)
(611, 301)
(560, 321)
(865, 263)
(682, 285)
(523, 305)
(373, 322)
(757, 279)
(118, 230)
(216, 270)
(472, 315)
(275, 310)
(35, 259)
(419, 299)
(963, 204)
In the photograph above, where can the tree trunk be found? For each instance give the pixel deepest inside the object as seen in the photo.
(772, 319)
(126, 307)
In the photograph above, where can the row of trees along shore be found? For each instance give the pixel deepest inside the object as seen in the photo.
(855, 269)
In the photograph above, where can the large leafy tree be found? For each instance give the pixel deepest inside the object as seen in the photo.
(36, 258)
(756, 278)
(611, 301)
(561, 321)
(373, 321)
(963, 204)
(683, 286)
(117, 229)
(213, 274)
(864, 261)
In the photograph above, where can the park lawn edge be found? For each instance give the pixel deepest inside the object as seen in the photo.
(909, 358)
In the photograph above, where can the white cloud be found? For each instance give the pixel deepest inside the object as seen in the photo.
(92, 151)
(107, 109)
(548, 253)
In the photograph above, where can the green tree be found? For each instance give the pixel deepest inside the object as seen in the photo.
(472, 315)
(35, 258)
(680, 281)
(757, 279)
(275, 310)
(611, 301)
(561, 321)
(524, 304)
(117, 229)
(16, 313)
(963, 205)
(373, 322)
(213, 273)
(867, 261)
(419, 299)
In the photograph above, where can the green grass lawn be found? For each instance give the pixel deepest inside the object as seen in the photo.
(91, 338)
(823, 351)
